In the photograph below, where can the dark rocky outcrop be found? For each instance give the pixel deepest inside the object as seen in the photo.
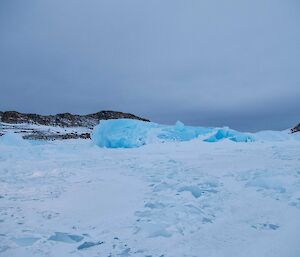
(37, 135)
(296, 129)
(64, 119)
(75, 126)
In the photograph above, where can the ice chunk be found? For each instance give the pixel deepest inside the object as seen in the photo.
(127, 133)
(179, 126)
(266, 226)
(206, 220)
(13, 139)
(155, 205)
(273, 226)
(86, 245)
(25, 241)
(65, 237)
(124, 133)
(180, 132)
(125, 252)
(194, 190)
(231, 134)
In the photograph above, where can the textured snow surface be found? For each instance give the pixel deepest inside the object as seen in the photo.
(171, 199)
(126, 133)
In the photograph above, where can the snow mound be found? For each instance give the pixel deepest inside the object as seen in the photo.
(269, 135)
(127, 133)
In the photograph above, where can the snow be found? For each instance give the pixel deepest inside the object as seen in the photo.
(177, 198)
(269, 135)
(37, 131)
(180, 191)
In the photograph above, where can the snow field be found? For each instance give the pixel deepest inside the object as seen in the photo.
(191, 198)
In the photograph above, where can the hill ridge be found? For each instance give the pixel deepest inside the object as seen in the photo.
(65, 119)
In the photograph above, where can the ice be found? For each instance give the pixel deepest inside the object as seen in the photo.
(169, 198)
(125, 253)
(194, 190)
(155, 205)
(13, 139)
(267, 183)
(3, 248)
(273, 226)
(230, 134)
(65, 237)
(126, 133)
(86, 245)
(180, 132)
(266, 226)
(25, 241)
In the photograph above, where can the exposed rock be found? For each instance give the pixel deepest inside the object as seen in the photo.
(59, 126)
(64, 119)
(296, 129)
(54, 136)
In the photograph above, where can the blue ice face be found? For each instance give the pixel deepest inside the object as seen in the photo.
(127, 133)
(231, 135)
(179, 132)
(122, 133)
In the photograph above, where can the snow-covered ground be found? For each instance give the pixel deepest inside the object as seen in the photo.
(34, 131)
(195, 198)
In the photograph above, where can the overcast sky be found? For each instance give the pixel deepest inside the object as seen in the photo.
(209, 63)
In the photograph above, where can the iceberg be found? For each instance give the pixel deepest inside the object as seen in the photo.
(127, 133)
(122, 133)
(230, 134)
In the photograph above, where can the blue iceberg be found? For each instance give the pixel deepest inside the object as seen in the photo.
(230, 134)
(122, 133)
(127, 133)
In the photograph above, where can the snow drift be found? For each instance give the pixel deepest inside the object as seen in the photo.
(127, 133)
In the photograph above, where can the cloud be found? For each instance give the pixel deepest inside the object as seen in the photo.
(202, 62)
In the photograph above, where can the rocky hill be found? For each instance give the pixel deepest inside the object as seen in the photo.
(296, 129)
(64, 119)
(59, 126)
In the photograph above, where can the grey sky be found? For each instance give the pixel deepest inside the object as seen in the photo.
(210, 62)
